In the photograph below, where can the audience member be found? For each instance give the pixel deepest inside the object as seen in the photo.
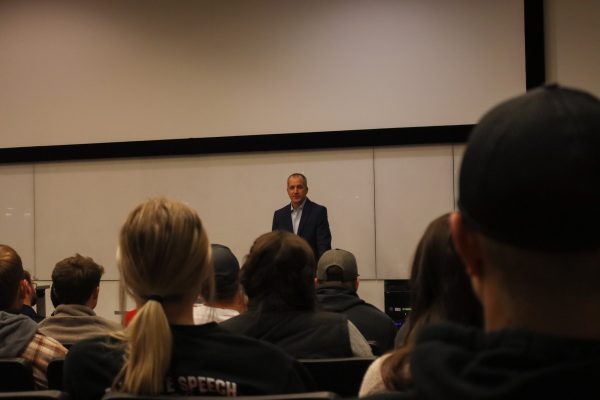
(164, 261)
(76, 286)
(18, 333)
(440, 292)
(30, 298)
(337, 283)
(278, 277)
(527, 229)
(228, 299)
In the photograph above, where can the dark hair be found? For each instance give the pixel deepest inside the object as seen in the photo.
(278, 274)
(334, 273)
(11, 273)
(74, 279)
(440, 291)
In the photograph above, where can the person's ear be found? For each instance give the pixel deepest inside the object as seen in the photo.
(466, 242)
(24, 289)
(93, 300)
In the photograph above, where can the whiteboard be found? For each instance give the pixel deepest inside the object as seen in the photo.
(379, 200)
(81, 205)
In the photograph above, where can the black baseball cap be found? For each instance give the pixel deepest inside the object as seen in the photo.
(530, 175)
(226, 266)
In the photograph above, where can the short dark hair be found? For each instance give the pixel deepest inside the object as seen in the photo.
(74, 279)
(278, 274)
(11, 273)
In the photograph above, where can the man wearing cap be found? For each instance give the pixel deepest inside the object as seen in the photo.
(337, 283)
(527, 227)
(304, 217)
(228, 299)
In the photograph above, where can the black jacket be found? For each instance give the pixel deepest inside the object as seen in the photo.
(206, 360)
(376, 326)
(301, 334)
(313, 227)
(454, 362)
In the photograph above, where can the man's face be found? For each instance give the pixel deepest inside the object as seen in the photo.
(296, 188)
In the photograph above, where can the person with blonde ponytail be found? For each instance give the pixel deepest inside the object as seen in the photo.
(164, 261)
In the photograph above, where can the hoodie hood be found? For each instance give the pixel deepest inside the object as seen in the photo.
(454, 362)
(16, 332)
(337, 298)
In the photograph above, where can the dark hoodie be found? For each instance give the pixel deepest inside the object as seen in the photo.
(376, 326)
(16, 332)
(455, 362)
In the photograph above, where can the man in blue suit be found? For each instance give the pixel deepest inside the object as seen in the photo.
(303, 217)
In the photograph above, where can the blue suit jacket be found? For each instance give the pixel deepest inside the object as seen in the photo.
(313, 227)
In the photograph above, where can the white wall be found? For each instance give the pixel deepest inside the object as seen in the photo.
(80, 71)
(573, 43)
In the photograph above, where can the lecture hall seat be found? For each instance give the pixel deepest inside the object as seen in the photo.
(339, 375)
(16, 374)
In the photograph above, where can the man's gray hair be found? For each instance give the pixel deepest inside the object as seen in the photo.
(296, 175)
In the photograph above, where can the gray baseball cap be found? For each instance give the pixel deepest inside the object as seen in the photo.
(340, 258)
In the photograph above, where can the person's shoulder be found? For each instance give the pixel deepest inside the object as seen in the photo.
(95, 345)
(282, 210)
(370, 309)
(330, 316)
(43, 344)
(315, 206)
(247, 346)
(109, 324)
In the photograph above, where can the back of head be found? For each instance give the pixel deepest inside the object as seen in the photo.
(11, 273)
(164, 259)
(227, 274)
(529, 188)
(529, 175)
(337, 267)
(440, 292)
(278, 274)
(75, 279)
(163, 251)
(440, 288)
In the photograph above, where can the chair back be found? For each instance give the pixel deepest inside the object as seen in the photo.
(339, 375)
(293, 396)
(55, 373)
(16, 374)
(35, 395)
